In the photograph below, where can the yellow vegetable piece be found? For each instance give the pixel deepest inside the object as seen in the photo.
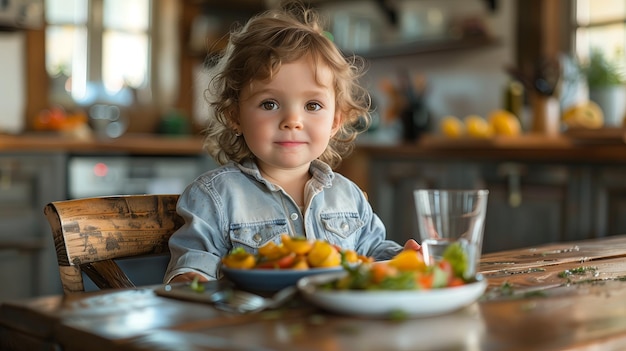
(239, 260)
(272, 251)
(408, 260)
(478, 127)
(322, 254)
(332, 260)
(300, 263)
(351, 256)
(505, 123)
(298, 245)
(452, 127)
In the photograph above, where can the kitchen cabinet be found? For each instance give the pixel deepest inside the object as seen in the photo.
(528, 203)
(28, 181)
(537, 195)
(609, 200)
(36, 169)
(533, 203)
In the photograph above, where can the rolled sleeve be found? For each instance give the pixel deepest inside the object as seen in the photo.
(199, 244)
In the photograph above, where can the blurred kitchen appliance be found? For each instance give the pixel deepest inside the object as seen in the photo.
(13, 81)
(115, 175)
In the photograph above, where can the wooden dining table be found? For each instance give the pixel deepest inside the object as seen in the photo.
(561, 296)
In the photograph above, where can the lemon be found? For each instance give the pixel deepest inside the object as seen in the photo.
(452, 127)
(478, 127)
(504, 123)
(587, 115)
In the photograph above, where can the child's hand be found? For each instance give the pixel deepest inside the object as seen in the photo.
(411, 244)
(187, 277)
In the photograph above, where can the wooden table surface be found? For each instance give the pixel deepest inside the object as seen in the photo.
(565, 296)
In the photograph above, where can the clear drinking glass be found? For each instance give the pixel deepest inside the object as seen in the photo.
(446, 217)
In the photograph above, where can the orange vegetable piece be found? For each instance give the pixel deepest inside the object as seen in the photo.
(380, 271)
(455, 281)
(425, 280)
(283, 262)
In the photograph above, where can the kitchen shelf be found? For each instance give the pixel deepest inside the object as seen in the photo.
(424, 46)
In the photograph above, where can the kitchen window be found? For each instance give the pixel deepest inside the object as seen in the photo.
(98, 50)
(601, 25)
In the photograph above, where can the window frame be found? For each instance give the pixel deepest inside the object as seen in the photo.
(575, 26)
(95, 31)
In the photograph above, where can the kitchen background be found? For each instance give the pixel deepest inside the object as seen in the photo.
(105, 97)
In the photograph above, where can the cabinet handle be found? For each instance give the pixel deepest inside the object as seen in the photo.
(6, 173)
(513, 172)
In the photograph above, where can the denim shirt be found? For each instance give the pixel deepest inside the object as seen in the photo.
(234, 206)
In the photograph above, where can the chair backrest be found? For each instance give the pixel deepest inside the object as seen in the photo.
(90, 233)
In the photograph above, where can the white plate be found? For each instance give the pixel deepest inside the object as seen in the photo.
(270, 280)
(384, 303)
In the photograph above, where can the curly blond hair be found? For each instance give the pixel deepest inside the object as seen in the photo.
(256, 51)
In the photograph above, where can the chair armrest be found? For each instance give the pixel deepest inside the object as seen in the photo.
(107, 275)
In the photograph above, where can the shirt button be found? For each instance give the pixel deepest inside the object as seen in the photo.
(345, 226)
(294, 216)
(257, 237)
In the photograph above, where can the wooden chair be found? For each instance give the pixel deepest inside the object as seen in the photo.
(90, 233)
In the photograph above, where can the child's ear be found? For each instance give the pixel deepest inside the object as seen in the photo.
(336, 123)
(233, 122)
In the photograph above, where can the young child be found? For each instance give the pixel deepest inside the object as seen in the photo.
(285, 110)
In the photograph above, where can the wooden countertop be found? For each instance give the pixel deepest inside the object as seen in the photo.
(130, 143)
(589, 146)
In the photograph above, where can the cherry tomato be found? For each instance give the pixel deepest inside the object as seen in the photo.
(425, 280)
(280, 263)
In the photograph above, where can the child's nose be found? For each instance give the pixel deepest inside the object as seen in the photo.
(291, 121)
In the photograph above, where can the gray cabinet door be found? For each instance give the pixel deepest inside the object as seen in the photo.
(27, 258)
(609, 201)
(529, 203)
(532, 204)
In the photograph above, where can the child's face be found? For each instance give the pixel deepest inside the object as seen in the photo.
(287, 122)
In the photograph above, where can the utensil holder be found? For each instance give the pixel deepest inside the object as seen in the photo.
(546, 118)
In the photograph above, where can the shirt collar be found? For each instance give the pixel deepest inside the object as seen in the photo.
(321, 173)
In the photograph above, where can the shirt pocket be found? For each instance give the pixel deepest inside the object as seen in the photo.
(257, 234)
(341, 224)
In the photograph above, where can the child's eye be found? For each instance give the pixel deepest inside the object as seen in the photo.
(269, 105)
(313, 106)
